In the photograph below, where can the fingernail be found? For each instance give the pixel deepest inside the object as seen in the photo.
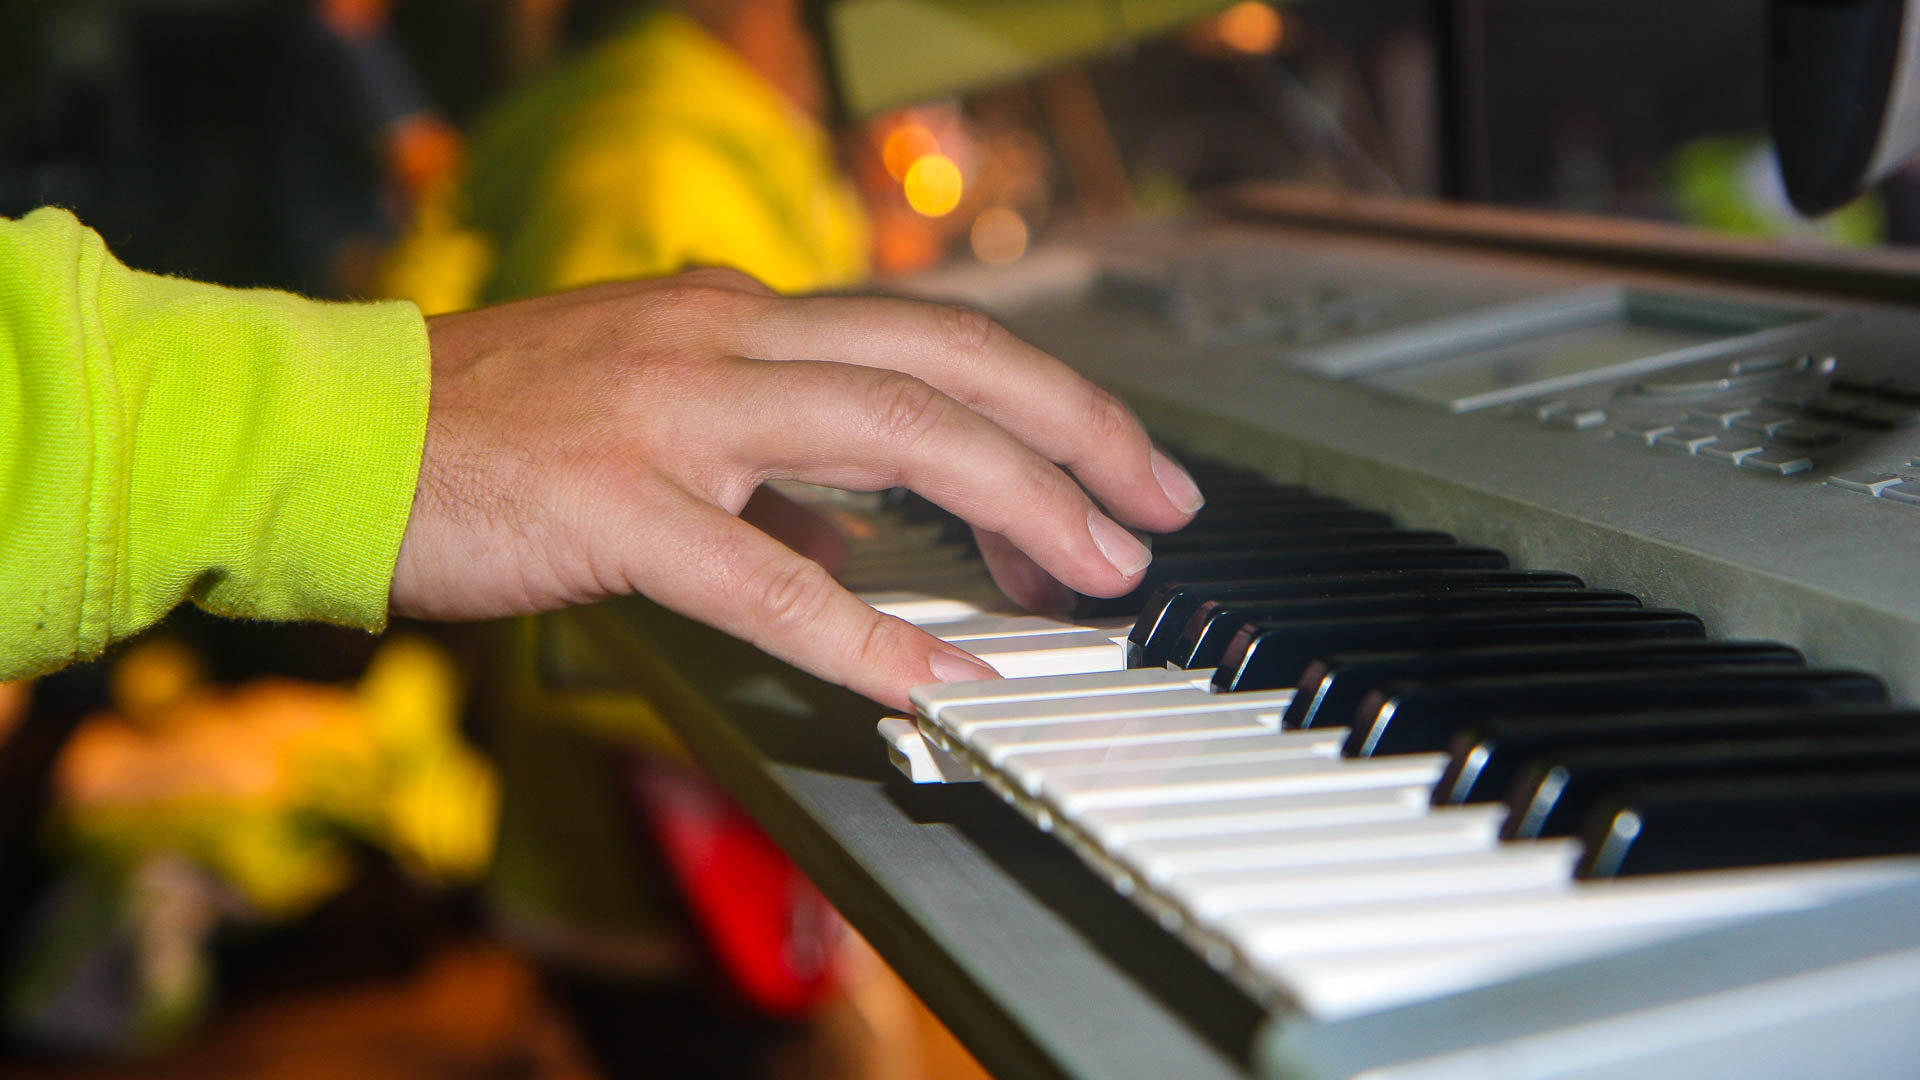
(1128, 555)
(1180, 489)
(959, 667)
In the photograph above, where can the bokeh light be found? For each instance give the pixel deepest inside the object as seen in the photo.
(999, 236)
(1251, 27)
(933, 185)
(904, 145)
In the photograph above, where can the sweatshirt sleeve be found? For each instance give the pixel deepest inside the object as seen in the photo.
(161, 440)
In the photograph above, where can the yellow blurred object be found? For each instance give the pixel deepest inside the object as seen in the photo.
(659, 151)
(153, 675)
(933, 185)
(437, 264)
(259, 784)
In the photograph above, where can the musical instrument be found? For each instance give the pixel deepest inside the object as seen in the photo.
(1719, 444)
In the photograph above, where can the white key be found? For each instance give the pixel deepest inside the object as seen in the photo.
(1114, 732)
(1030, 770)
(920, 609)
(1076, 793)
(1049, 654)
(966, 719)
(931, 698)
(1443, 832)
(917, 759)
(990, 626)
(1120, 825)
(1577, 908)
(1112, 742)
(1507, 868)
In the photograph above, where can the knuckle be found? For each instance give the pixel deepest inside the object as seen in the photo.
(1108, 421)
(728, 279)
(966, 329)
(790, 596)
(902, 407)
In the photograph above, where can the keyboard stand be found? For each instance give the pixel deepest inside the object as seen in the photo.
(1036, 965)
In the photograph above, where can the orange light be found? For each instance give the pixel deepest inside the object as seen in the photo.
(1251, 27)
(999, 236)
(933, 185)
(905, 145)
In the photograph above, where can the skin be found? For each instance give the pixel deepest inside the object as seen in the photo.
(608, 441)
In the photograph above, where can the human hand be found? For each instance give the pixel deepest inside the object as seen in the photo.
(603, 441)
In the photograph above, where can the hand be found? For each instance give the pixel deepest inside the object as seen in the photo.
(602, 441)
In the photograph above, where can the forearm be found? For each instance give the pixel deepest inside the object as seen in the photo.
(163, 440)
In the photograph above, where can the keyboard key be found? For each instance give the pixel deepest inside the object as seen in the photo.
(1267, 654)
(965, 720)
(1118, 825)
(1435, 878)
(932, 698)
(1166, 612)
(1864, 481)
(1487, 758)
(1332, 560)
(1659, 828)
(1777, 461)
(1458, 830)
(1422, 717)
(1555, 795)
(1050, 654)
(1331, 688)
(1211, 629)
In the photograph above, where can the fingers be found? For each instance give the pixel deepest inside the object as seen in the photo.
(973, 360)
(866, 428)
(797, 527)
(737, 578)
(1022, 579)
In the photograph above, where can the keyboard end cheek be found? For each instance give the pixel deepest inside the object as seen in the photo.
(917, 758)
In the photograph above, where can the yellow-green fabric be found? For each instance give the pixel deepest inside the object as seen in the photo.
(160, 439)
(660, 150)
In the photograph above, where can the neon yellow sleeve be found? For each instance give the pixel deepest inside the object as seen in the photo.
(162, 440)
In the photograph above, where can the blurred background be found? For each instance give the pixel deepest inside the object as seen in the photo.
(234, 850)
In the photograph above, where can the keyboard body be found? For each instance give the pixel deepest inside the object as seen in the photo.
(1042, 968)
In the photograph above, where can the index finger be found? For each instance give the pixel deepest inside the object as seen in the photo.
(976, 361)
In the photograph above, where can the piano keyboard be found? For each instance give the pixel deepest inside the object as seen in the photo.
(1358, 766)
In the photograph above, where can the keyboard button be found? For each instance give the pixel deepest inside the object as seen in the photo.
(1719, 415)
(1331, 688)
(1777, 461)
(1802, 434)
(1489, 757)
(1555, 796)
(1422, 717)
(1267, 655)
(1907, 491)
(1256, 541)
(1687, 438)
(1732, 450)
(1579, 419)
(1864, 481)
(1642, 431)
(1658, 829)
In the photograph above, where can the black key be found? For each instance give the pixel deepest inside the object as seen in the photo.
(1286, 539)
(1267, 656)
(1212, 628)
(1331, 688)
(1754, 821)
(1488, 758)
(1326, 560)
(1555, 795)
(1166, 612)
(1419, 717)
(1294, 516)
